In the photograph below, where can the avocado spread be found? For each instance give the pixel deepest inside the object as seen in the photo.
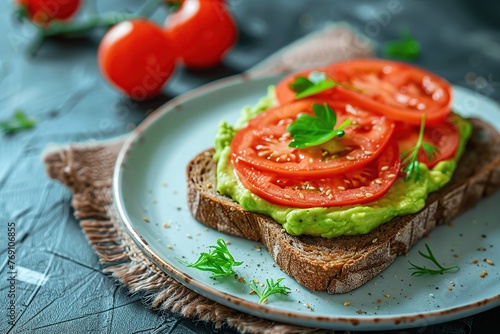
(404, 197)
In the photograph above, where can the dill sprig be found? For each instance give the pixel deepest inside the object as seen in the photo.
(423, 270)
(218, 260)
(270, 288)
(409, 157)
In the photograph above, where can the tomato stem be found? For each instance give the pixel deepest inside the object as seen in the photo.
(82, 28)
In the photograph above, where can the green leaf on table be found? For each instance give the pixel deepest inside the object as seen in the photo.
(405, 48)
(19, 121)
(311, 130)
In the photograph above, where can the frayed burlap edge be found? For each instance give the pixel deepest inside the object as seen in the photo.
(87, 172)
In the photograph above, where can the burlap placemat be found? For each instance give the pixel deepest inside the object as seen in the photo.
(87, 170)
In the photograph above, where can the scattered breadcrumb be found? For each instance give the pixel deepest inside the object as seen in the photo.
(241, 280)
(484, 273)
(474, 261)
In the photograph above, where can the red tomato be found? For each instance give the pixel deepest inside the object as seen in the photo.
(44, 11)
(137, 58)
(263, 143)
(444, 137)
(284, 94)
(398, 90)
(202, 31)
(361, 186)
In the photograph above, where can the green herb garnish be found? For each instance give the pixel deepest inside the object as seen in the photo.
(410, 156)
(406, 48)
(18, 122)
(309, 130)
(314, 83)
(419, 271)
(270, 288)
(219, 261)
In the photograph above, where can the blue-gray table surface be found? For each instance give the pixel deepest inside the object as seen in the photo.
(64, 289)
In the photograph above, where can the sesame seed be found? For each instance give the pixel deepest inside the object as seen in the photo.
(391, 176)
(384, 168)
(386, 295)
(484, 273)
(488, 261)
(474, 261)
(347, 303)
(166, 225)
(170, 247)
(146, 219)
(341, 188)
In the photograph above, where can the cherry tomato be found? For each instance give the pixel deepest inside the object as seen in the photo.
(398, 90)
(44, 11)
(137, 58)
(361, 186)
(202, 31)
(444, 137)
(284, 94)
(263, 143)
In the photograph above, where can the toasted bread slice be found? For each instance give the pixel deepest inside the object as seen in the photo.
(344, 263)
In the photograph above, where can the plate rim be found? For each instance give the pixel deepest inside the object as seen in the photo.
(378, 322)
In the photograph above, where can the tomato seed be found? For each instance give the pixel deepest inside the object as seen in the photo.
(341, 188)
(384, 168)
(369, 195)
(348, 157)
(391, 176)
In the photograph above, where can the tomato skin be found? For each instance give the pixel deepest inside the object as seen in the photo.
(137, 58)
(202, 32)
(444, 136)
(43, 11)
(365, 185)
(398, 90)
(263, 143)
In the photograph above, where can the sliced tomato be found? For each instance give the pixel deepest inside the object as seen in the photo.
(356, 187)
(264, 143)
(444, 137)
(284, 94)
(400, 91)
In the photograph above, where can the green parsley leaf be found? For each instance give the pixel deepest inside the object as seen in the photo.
(309, 130)
(409, 158)
(270, 288)
(18, 122)
(219, 261)
(423, 270)
(316, 82)
(406, 48)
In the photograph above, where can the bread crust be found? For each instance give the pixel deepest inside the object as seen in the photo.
(341, 264)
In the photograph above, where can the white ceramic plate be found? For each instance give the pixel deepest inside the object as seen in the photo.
(149, 182)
